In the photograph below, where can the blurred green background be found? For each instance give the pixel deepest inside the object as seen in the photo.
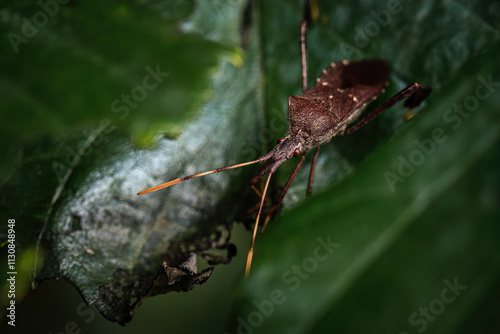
(411, 208)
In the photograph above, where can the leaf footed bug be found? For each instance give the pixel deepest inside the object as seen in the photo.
(320, 113)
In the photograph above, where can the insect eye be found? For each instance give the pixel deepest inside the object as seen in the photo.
(296, 152)
(280, 140)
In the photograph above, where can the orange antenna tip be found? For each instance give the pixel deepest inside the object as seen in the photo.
(249, 262)
(161, 186)
(171, 183)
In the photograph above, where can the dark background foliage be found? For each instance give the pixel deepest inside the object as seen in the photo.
(71, 158)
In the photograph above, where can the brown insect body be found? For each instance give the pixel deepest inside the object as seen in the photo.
(320, 113)
(336, 100)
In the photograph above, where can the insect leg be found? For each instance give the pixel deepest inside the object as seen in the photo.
(303, 50)
(401, 95)
(415, 99)
(283, 192)
(311, 173)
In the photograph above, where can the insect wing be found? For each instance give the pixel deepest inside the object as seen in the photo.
(345, 87)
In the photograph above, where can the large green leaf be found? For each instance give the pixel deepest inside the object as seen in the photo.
(394, 249)
(73, 195)
(419, 215)
(131, 66)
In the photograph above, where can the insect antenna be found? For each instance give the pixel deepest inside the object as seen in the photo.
(261, 159)
(250, 252)
(179, 180)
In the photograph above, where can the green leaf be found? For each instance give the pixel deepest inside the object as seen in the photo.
(392, 249)
(132, 66)
(74, 194)
(419, 214)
